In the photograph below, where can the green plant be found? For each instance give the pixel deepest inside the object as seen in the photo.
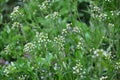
(43, 40)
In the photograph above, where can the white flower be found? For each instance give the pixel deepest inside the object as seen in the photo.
(9, 68)
(53, 16)
(102, 16)
(108, 0)
(118, 13)
(29, 47)
(78, 68)
(117, 66)
(64, 32)
(76, 30)
(101, 53)
(16, 13)
(16, 25)
(42, 37)
(60, 40)
(44, 5)
(7, 50)
(111, 25)
(103, 77)
(79, 45)
(22, 77)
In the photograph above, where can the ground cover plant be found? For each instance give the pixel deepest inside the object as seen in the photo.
(59, 40)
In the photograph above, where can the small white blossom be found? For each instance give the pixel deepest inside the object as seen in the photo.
(16, 25)
(22, 77)
(117, 66)
(68, 25)
(103, 77)
(79, 69)
(29, 47)
(9, 68)
(108, 0)
(64, 32)
(16, 13)
(111, 25)
(79, 45)
(7, 50)
(102, 16)
(56, 67)
(96, 8)
(118, 13)
(53, 16)
(60, 40)
(42, 38)
(102, 53)
(76, 30)
(44, 5)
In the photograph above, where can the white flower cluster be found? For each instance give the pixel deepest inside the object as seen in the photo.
(80, 44)
(103, 77)
(42, 37)
(95, 9)
(22, 77)
(64, 32)
(45, 74)
(29, 47)
(56, 67)
(101, 53)
(15, 13)
(76, 29)
(115, 12)
(118, 13)
(102, 16)
(108, 0)
(111, 25)
(16, 25)
(44, 5)
(10, 68)
(69, 29)
(53, 16)
(69, 25)
(60, 40)
(7, 49)
(117, 66)
(79, 70)
(97, 13)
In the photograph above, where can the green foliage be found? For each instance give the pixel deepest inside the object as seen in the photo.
(43, 40)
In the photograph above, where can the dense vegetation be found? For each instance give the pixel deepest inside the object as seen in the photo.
(59, 40)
